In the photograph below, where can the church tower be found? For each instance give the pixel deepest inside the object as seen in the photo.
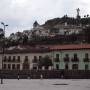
(35, 24)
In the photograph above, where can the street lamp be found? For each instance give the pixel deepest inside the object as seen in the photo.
(4, 27)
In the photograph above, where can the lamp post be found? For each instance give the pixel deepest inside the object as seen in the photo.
(4, 27)
(3, 47)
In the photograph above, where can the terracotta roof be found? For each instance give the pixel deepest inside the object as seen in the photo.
(45, 48)
(69, 47)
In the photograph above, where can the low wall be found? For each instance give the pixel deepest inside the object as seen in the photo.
(47, 74)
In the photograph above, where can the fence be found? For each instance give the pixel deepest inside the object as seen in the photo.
(47, 74)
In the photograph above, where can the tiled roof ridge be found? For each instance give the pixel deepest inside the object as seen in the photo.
(46, 48)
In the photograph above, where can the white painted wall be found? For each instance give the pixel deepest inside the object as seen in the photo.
(80, 54)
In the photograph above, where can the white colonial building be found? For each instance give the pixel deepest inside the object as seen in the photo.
(67, 57)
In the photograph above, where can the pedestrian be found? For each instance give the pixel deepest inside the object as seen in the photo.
(41, 76)
(1, 80)
(18, 77)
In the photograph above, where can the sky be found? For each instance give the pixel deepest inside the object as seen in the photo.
(21, 14)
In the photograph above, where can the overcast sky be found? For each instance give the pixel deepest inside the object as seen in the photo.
(21, 14)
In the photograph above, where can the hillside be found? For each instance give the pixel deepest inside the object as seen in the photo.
(65, 30)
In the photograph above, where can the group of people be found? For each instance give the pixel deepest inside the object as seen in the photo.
(18, 77)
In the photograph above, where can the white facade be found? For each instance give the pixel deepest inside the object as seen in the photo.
(11, 61)
(22, 60)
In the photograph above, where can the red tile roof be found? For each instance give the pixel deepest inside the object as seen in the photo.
(46, 48)
(69, 47)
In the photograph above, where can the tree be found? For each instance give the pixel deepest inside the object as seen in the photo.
(1, 33)
(25, 39)
(47, 62)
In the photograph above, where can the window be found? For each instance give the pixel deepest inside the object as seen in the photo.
(35, 68)
(40, 67)
(86, 67)
(57, 58)
(25, 66)
(75, 55)
(26, 58)
(40, 57)
(57, 55)
(35, 60)
(9, 66)
(14, 58)
(75, 66)
(86, 55)
(57, 67)
(18, 59)
(26, 63)
(75, 58)
(66, 58)
(66, 55)
(35, 57)
(86, 59)
(18, 66)
(9, 59)
(5, 58)
(4, 66)
(13, 66)
(54, 30)
(66, 66)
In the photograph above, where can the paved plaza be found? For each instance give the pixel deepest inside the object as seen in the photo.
(45, 84)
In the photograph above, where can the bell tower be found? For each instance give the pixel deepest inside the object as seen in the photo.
(35, 24)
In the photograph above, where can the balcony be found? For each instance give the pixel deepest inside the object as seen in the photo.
(66, 59)
(75, 60)
(11, 61)
(17, 60)
(86, 59)
(35, 60)
(5, 60)
(56, 60)
(26, 61)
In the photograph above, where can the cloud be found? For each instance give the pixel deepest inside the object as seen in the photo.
(20, 14)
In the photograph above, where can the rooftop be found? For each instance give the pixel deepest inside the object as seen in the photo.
(45, 48)
(69, 47)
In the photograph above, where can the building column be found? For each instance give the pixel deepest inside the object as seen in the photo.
(49, 67)
(43, 68)
(30, 66)
(21, 66)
